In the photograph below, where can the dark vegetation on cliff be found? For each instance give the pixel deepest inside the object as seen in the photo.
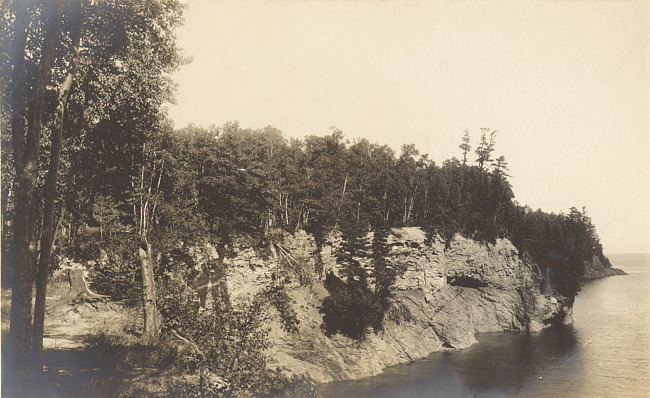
(135, 198)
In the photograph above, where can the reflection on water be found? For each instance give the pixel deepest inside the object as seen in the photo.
(611, 317)
(501, 364)
(606, 352)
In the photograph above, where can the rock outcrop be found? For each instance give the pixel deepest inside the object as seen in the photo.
(442, 298)
(596, 269)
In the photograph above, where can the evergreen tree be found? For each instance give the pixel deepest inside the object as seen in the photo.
(353, 246)
(384, 272)
(501, 166)
(485, 148)
(465, 146)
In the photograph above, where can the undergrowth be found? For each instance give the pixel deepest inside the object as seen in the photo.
(222, 352)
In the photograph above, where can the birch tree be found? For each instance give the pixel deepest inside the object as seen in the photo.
(49, 190)
(147, 196)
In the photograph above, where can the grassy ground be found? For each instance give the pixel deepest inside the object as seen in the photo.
(92, 349)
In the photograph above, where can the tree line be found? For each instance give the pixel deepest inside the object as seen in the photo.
(233, 180)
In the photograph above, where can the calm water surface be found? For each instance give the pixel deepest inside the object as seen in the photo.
(604, 353)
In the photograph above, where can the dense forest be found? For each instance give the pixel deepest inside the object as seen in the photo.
(217, 183)
(87, 146)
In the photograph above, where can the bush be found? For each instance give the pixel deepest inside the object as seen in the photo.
(351, 308)
(276, 385)
(116, 271)
(221, 344)
(282, 302)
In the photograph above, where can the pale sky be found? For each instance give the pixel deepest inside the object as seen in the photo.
(565, 83)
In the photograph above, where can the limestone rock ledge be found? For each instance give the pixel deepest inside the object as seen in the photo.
(442, 299)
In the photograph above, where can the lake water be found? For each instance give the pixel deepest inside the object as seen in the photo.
(604, 353)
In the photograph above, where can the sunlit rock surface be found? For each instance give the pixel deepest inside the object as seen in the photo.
(441, 299)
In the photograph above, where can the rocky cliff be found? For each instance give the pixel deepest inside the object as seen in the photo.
(441, 299)
(596, 269)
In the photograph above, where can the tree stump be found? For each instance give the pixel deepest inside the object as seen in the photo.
(79, 290)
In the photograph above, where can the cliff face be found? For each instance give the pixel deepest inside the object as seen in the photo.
(441, 299)
(596, 269)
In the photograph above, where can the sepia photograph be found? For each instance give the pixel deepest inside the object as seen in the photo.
(325, 198)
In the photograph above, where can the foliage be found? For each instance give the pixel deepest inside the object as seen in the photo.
(384, 273)
(350, 309)
(278, 297)
(560, 243)
(227, 181)
(485, 148)
(114, 268)
(277, 385)
(465, 146)
(353, 247)
(116, 271)
(126, 171)
(224, 181)
(227, 344)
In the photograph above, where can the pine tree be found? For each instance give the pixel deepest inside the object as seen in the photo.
(501, 166)
(485, 149)
(384, 273)
(465, 146)
(353, 246)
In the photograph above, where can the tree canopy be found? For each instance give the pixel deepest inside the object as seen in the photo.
(83, 85)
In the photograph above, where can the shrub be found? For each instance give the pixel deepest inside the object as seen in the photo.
(275, 385)
(228, 344)
(116, 271)
(282, 302)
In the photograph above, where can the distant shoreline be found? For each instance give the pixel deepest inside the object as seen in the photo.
(627, 254)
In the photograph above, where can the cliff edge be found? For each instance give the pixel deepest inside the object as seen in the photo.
(441, 299)
(597, 269)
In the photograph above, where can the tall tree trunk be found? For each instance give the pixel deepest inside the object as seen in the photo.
(338, 214)
(151, 329)
(300, 218)
(17, 348)
(49, 227)
(101, 220)
(411, 203)
(426, 203)
(147, 216)
(286, 209)
(218, 280)
(26, 157)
